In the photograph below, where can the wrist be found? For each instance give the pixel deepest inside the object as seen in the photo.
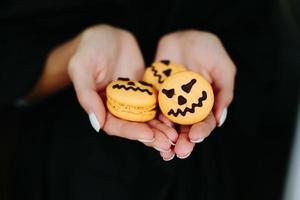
(55, 73)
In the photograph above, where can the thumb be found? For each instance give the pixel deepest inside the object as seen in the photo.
(88, 97)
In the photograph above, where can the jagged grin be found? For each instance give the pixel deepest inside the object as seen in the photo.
(155, 73)
(190, 110)
(118, 86)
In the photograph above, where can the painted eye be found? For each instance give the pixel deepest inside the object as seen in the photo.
(123, 79)
(166, 62)
(169, 93)
(130, 83)
(167, 72)
(145, 83)
(187, 87)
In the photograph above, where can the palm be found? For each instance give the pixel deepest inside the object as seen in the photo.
(200, 52)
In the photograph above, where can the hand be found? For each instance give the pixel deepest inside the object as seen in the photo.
(105, 53)
(201, 52)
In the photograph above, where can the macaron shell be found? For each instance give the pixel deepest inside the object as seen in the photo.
(186, 98)
(160, 70)
(136, 95)
(131, 100)
(131, 116)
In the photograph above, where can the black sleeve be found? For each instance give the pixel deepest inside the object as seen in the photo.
(30, 29)
(23, 50)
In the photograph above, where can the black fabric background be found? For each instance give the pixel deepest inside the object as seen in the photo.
(51, 152)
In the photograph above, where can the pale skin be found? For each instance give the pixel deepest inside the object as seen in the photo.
(103, 53)
(204, 53)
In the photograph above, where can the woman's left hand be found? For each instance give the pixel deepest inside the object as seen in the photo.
(204, 53)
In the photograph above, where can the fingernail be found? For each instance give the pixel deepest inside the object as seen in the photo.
(223, 117)
(197, 140)
(162, 150)
(171, 142)
(170, 158)
(146, 140)
(94, 122)
(185, 156)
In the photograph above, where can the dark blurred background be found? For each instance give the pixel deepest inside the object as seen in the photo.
(259, 167)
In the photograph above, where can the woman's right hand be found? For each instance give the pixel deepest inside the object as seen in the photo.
(105, 53)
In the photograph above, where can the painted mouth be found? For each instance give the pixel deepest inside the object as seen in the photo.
(189, 110)
(117, 86)
(157, 75)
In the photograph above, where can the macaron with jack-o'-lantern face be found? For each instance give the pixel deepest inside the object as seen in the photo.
(131, 100)
(160, 70)
(186, 98)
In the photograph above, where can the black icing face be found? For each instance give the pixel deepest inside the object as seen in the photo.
(128, 85)
(186, 98)
(183, 98)
(161, 70)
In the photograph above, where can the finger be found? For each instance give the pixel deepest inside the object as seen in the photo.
(87, 95)
(170, 132)
(216, 66)
(130, 63)
(168, 49)
(201, 130)
(167, 156)
(223, 75)
(165, 120)
(161, 142)
(183, 147)
(224, 90)
(130, 130)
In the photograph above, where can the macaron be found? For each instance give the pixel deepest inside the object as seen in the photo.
(160, 70)
(131, 100)
(186, 98)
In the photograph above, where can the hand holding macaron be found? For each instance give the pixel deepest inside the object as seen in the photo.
(103, 54)
(203, 53)
(106, 53)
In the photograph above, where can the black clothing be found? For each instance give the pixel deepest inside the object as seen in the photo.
(59, 156)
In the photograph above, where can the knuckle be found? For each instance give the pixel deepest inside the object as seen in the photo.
(127, 35)
(167, 39)
(211, 37)
(94, 29)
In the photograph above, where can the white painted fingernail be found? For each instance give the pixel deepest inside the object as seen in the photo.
(94, 122)
(223, 117)
(146, 140)
(171, 142)
(168, 159)
(198, 140)
(185, 156)
(162, 150)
